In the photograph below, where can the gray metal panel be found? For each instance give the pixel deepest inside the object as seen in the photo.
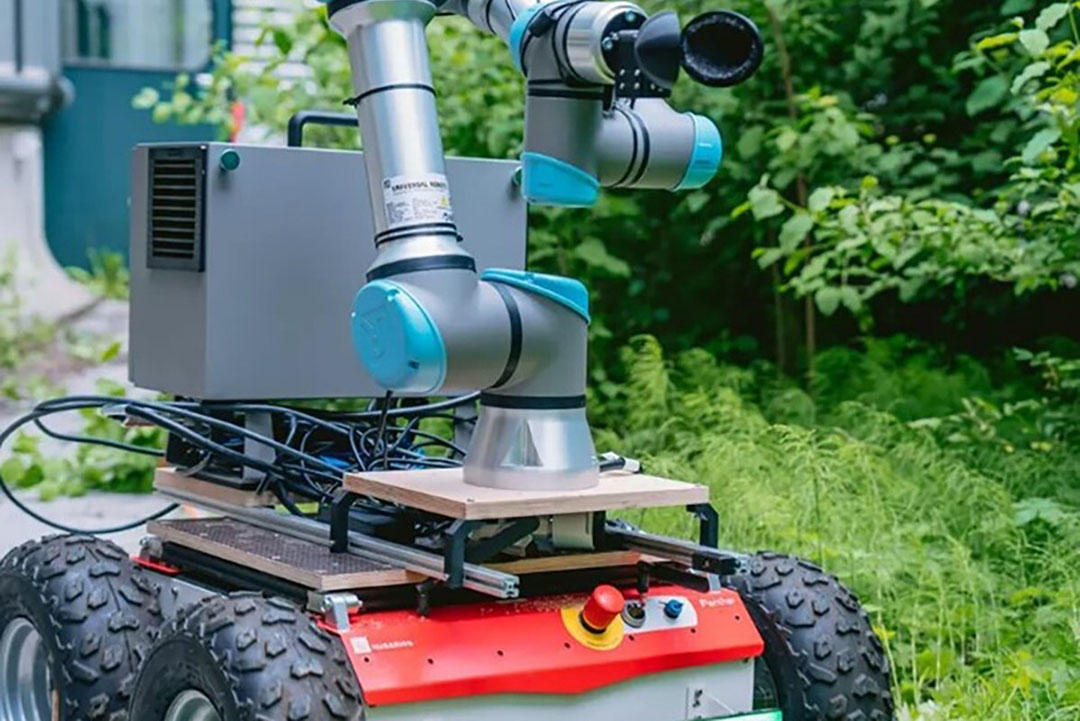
(167, 325)
(690, 693)
(288, 241)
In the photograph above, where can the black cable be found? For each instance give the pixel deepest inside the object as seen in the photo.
(91, 440)
(405, 411)
(380, 440)
(31, 417)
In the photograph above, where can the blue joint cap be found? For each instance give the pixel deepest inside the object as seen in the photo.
(567, 292)
(706, 156)
(396, 339)
(517, 33)
(550, 181)
(673, 608)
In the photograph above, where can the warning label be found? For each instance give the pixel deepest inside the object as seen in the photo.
(413, 199)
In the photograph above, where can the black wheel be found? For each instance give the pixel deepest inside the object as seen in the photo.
(822, 659)
(76, 618)
(246, 658)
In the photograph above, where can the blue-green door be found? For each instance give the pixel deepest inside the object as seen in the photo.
(112, 49)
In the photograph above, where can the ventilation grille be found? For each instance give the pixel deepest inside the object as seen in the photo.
(176, 208)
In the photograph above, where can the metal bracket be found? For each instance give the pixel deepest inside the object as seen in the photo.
(262, 423)
(457, 551)
(339, 519)
(709, 532)
(455, 541)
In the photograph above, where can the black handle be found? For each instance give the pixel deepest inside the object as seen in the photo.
(319, 117)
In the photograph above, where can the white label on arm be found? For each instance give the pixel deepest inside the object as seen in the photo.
(415, 199)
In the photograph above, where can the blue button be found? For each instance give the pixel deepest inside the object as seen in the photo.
(673, 608)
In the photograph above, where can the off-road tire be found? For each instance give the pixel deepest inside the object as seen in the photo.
(97, 614)
(822, 657)
(254, 659)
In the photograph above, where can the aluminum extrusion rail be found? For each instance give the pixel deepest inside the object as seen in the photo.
(477, 578)
(692, 555)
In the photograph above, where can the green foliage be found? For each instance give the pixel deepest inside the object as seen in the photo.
(971, 581)
(20, 337)
(108, 276)
(89, 467)
(29, 344)
(1024, 232)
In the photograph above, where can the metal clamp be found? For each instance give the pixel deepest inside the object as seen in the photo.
(335, 608)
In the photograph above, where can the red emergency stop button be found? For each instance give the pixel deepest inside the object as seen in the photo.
(603, 607)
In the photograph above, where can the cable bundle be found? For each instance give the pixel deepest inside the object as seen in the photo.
(312, 449)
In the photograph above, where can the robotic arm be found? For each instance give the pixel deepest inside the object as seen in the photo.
(596, 115)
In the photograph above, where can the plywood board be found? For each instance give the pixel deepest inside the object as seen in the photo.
(167, 478)
(443, 491)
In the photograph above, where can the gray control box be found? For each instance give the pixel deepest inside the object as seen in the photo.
(242, 280)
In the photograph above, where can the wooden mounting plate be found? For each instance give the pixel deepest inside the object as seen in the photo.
(167, 478)
(443, 491)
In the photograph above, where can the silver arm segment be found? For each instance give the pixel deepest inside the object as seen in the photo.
(494, 16)
(426, 323)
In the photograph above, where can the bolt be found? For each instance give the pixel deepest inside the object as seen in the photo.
(608, 43)
(630, 16)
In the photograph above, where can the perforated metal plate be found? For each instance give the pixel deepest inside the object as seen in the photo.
(302, 562)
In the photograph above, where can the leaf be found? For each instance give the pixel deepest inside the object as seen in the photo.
(909, 288)
(283, 40)
(12, 471)
(1039, 144)
(820, 199)
(827, 299)
(1035, 41)
(849, 296)
(768, 256)
(996, 41)
(987, 94)
(696, 201)
(1047, 510)
(595, 254)
(750, 142)
(795, 230)
(1031, 72)
(1051, 16)
(765, 202)
(147, 98)
(1015, 7)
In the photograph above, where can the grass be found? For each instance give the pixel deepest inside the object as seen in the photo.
(965, 554)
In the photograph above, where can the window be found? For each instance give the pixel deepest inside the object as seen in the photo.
(153, 34)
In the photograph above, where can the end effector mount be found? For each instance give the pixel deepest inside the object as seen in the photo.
(599, 75)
